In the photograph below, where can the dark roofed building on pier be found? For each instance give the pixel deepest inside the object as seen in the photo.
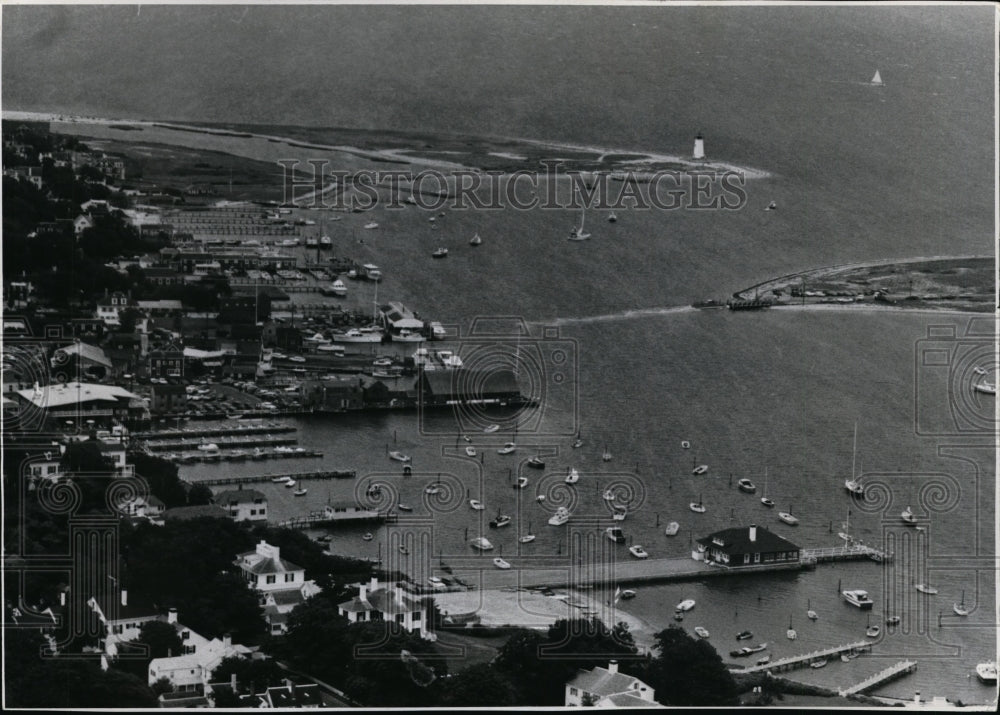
(746, 546)
(443, 387)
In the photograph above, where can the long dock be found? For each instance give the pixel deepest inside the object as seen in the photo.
(221, 442)
(297, 476)
(898, 670)
(801, 661)
(216, 431)
(848, 552)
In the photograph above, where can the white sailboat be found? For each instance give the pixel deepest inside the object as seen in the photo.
(853, 485)
(578, 233)
(764, 500)
(877, 80)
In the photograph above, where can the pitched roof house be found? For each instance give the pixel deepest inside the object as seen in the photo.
(282, 585)
(387, 603)
(607, 688)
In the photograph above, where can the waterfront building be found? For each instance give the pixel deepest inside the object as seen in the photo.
(387, 602)
(243, 504)
(281, 584)
(746, 546)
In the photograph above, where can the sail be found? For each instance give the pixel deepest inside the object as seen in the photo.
(877, 79)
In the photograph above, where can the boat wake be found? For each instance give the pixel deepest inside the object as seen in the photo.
(623, 315)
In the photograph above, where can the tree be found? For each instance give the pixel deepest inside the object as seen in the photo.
(161, 476)
(161, 638)
(478, 686)
(688, 671)
(251, 674)
(199, 495)
(161, 686)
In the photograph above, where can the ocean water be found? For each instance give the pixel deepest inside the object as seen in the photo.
(858, 173)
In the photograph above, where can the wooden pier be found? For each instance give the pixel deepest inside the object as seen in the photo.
(318, 518)
(903, 667)
(234, 441)
(848, 552)
(801, 661)
(218, 431)
(297, 476)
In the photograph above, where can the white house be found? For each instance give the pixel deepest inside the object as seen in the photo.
(191, 672)
(281, 584)
(607, 688)
(122, 621)
(110, 307)
(243, 504)
(387, 603)
(81, 223)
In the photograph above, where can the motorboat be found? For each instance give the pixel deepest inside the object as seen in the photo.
(432, 489)
(854, 486)
(368, 536)
(521, 483)
(407, 336)
(529, 537)
(702, 632)
(280, 480)
(500, 520)
(536, 463)
(371, 224)
(491, 428)
(540, 498)
(627, 594)
(500, 563)
(858, 598)
(685, 444)
(672, 529)
(697, 506)
(325, 242)
(470, 451)
(987, 388)
(475, 240)
(612, 217)
(300, 492)
(403, 550)
(908, 516)
(404, 507)
(607, 455)
(959, 608)
(987, 672)
(359, 335)
(290, 483)
(772, 206)
(818, 663)
(560, 517)
(481, 543)
(685, 605)
(399, 456)
(608, 495)
(745, 485)
(572, 476)
(678, 616)
(892, 621)
(508, 448)
(873, 631)
(700, 469)
(744, 635)
(476, 504)
(767, 502)
(578, 442)
(764, 661)
(620, 512)
(208, 447)
(926, 588)
(440, 252)
(638, 552)
(615, 534)
(788, 518)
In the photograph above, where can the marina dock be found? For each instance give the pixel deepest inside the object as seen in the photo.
(903, 667)
(801, 661)
(297, 476)
(217, 431)
(848, 552)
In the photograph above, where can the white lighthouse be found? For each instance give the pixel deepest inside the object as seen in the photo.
(699, 146)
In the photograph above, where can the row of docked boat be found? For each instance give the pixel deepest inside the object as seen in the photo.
(290, 483)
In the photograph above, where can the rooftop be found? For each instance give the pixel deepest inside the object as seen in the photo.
(737, 540)
(73, 393)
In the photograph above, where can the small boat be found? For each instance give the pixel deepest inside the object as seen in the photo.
(578, 442)
(481, 543)
(500, 520)
(529, 537)
(540, 498)
(627, 594)
(908, 516)
(764, 661)
(440, 253)
(521, 483)
(560, 517)
(615, 534)
(873, 631)
(678, 616)
(638, 552)
(744, 635)
(368, 536)
(745, 485)
(987, 672)
(607, 455)
(578, 234)
(491, 429)
(702, 633)
(404, 507)
(536, 462)
(399, 456)
(612, 217)
(959, 608)
(290, 483)
(508, 448)
(371, 225)
(818, 663)
(685, 605)
(926, 588)
(672, 529)
(432, 489)
(620, 512)
(697, 506)
(786, 516)
(475, 240)
(844, 658)
(764, 500)
(608, 495)
(877, 80)
(700, 469)
(685, 444)
(892, 621)
(572, 476)
(810, 613)
(790, 633)
(208, 447)
(300, 492)
(476, 504)
(858, 598)
(471, 451)
(987, 388)
(280, 480)
(771, 206)
(500, 563)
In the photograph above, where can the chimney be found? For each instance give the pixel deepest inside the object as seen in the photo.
(363, 592)
(753, 532)
(172, 615)
(373, 586)
(170, 652)
(613, 666)
(699, 146)
(62, 598)
(232, 682)
(124, 597)
(916, 698)
(227, 640)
